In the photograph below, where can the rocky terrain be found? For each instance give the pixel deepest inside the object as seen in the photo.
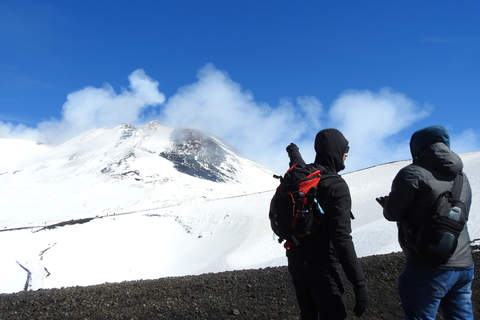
(249, 294)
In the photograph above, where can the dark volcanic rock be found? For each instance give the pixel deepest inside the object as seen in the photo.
(249, 294)
(198, 154)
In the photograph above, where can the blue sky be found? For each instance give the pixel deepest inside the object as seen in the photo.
(246, 71)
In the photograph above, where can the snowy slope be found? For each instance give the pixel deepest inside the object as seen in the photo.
(148, 202)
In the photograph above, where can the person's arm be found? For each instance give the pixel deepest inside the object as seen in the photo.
(401, 196)
(294, 154)
(340, 230)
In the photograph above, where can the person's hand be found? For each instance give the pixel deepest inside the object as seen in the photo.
(381, 200)
(361, 298)
(292, 147)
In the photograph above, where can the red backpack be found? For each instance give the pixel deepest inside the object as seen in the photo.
(294, 209)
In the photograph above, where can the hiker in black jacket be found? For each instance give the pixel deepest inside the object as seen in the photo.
(316, 264)
(425, 284)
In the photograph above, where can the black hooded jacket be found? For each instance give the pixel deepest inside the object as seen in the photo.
(332, 244)
(417, 186)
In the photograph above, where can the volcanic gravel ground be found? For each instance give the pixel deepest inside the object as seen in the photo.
(249, 294)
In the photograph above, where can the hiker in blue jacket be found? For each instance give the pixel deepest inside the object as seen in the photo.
(316, 264)
(425, 285)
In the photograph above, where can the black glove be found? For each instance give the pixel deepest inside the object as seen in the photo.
(381, 200)
(292, 147)
(361, 298)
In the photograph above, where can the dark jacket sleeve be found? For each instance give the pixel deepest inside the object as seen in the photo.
(402, 195)
(294, 155)
(339, 211)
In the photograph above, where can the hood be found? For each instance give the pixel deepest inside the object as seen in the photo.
(424, 138)
(441, 158)
(330, 146)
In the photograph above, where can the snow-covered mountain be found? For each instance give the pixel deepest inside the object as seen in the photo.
(104, 172)
(152, 201)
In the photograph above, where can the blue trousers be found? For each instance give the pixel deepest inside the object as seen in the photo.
(423, 290)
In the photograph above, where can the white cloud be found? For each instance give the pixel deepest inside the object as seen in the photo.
(95, 107)
(21, 131)
(467, 141)
(219, 106)
(373, 122)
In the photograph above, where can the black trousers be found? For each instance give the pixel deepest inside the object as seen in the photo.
(319, 289)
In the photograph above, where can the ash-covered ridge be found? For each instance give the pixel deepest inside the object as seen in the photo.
(195, 153)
